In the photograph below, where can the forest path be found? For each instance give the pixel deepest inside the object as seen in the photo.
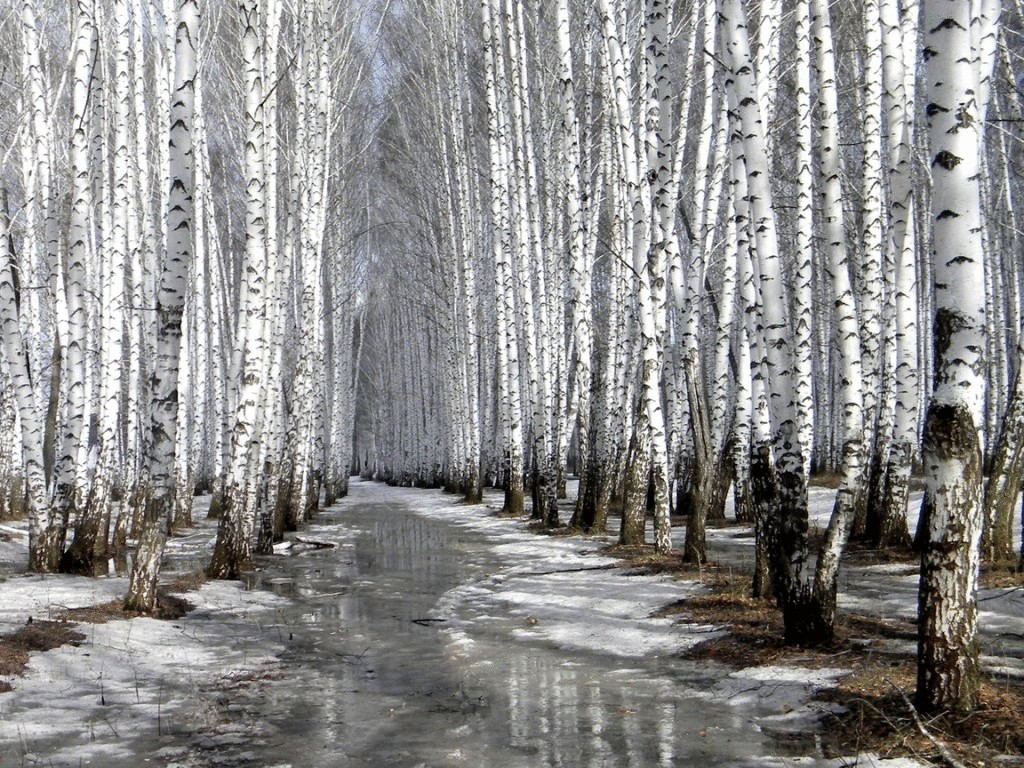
(436, 635)
(433, 634)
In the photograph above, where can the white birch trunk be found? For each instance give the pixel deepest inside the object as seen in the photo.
(900, 41)
(508, 345)
(234, 534)
(41, 532)
(777, 333)
(847, 339)
(803, 298)
(948, 664)
(873, 229)
(89, 544)
(40, 249)
(159, 483)
(68, 490)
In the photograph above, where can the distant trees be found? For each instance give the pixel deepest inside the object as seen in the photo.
(746, 235)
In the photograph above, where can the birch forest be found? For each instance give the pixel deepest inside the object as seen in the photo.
(691, 255)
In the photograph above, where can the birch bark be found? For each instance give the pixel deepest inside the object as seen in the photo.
(791, 554)
(508, 344)
(948, 664)
(161, 439)
(847, 341)
(68, 490)
(41, 534)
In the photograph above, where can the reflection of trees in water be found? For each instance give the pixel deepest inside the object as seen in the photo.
(410, 543)
(565, 713)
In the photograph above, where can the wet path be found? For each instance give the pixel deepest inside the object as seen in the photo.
(374, 675)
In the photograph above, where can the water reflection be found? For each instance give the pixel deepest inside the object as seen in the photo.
(372, 681)
(583, 712)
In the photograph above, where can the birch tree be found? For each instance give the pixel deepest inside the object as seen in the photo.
(847, 332)
(581, 311)
(648, 447)
(158, 480)
(234, 546)
(89, 545)
(790, 515)
(948, 663)
(888, 503)
(69, 485)
(28, 408)
(508, 344)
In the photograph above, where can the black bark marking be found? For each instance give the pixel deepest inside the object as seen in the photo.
(947, 23)
(946, 159)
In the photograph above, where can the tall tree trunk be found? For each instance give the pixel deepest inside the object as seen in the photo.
(791, 553)
(820, 618)
(40, 533)
(948, 665)
(158, 483)
(581, 312)
(1005, 476)
(68, 490)
(508, 344)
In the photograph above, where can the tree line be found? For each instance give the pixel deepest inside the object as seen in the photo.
(676, 247)
(680, 248)
(177, 300)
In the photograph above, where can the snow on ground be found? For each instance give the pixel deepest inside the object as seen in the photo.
(137, 678)
(566, 594)
(609, 611)
(154, 677)
(889, 590)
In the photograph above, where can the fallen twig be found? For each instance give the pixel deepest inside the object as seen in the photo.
(314, 543)
(608, 567)
(1003, 593)
(943, 750)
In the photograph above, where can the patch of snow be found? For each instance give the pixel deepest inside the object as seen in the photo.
(136, 678)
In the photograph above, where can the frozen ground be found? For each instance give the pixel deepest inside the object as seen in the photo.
(541, 628)
(131, 682)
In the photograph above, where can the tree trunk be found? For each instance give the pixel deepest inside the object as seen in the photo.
(948, 662)
(637, 483)
(1005, 477)
(159, 486)
(41, 554)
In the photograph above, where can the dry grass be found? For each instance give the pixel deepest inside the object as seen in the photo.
(1001, 578)
(186, 582)
(857, 553)
(169, 607)
(169, 603)
(643, 560)
(36, 635)
(878, 719)
(875, 716)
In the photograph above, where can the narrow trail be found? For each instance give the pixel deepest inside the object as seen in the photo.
(412, 643)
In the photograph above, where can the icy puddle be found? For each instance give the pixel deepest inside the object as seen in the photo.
(442, 637)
